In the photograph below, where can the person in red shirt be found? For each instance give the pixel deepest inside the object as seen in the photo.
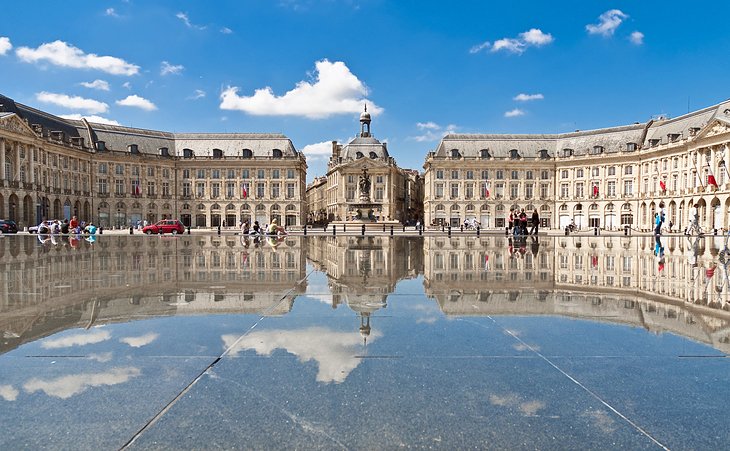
(74, 223)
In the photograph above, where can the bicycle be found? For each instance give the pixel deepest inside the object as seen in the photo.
(694, 227)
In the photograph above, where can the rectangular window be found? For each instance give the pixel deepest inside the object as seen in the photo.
(469, 190)
(439, 191)
(119, 169)
(611, 188)
(595, 171)
(564, 190)
(216, 174)
(135, 171)
(290, 191)
(628, 187)
(545, 175)
(454, 175)
(499, 190)
(500, 174)
(102, 186)
(514, 190)
(544, 191)
(470, 175)
(165, 188)
(118, 186)
(215, 190)
(440, 174)
(379, 193)
(201, 173)
(186, 173)
(515, 175)
(612, 170)
(579, 173)
(290, 173)
(379, 179)
(166, 173)
(454, 190)
(275, 174)
(245, 174)
(528, 175)
(528, 190)
(260, 174)
(150, 171)
(200, 190)
(260, 190)
(628, 170)
(485, 174)
(186, 191)
(150, 188)
(350, 193)
(274, 190)
(231, 174)
(564, 174)
(579, 190)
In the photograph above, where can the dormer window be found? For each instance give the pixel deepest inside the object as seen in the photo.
(217, 154)
(77, 141)
(544, 154)
(597, 150)
(359, 155)
(247, 153)
(630, 147)
(133, 148)
(484, 153)
(188, 153)
(100, 146)
(57, 135)
(373, 155)
(455, 153)
(567, 152)
(37, 128)
(673, 137)
(164, 151)
(276, 153)
(654, 142)
(693, 131)
(514, 154)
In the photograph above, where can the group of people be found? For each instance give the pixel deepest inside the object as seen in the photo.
(66, 227)
(273, 229)
(518, 222)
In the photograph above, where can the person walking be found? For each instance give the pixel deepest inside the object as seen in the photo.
(535, 222)
(694, 225)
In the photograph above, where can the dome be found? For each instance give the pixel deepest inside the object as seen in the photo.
(365, 116)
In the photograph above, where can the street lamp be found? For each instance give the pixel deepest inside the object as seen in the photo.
(119, 213)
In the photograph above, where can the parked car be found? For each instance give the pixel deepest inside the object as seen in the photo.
(7, 226)
(173, 226)
(43, 225)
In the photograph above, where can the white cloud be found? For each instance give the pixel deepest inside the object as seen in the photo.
(127, 85)
(514, 113)
(8, 392)
(88, 338)
(137, 102)
(198, 94)
(317, 151)
(5, 45)
(432, 131)
(186, 20)
(637, 38)
(167, 68)
(91, 118)
(111, 12)
(607, 23)
(73, 102)
(138, 342)
(68, 386)
(62, 54)
(334, 90)
(527, 97)
(102, 357)
(226, 30)
(534, 37)
(101, 85)
(334, 352)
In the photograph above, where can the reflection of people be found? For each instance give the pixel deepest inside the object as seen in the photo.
(535, 222)
(275, 228)
(693, 224)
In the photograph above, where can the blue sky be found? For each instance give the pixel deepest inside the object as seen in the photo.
(306, 67)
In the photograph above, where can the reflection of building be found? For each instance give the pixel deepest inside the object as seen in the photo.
(395, 194)
(601, 178)
(363, 271)
(44, 289)
(55, 168)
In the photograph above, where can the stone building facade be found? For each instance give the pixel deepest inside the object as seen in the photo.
(606, 178)
(397, 191)
(117, 176)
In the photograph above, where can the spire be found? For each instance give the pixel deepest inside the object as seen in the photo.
(365, 123)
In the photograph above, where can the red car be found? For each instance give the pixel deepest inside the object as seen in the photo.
(173, 226)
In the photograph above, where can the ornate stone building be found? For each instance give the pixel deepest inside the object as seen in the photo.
(55, 168)
(604, 178)
(334, 197)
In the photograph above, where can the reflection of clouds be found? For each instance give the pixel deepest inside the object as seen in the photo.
(426, 320)
(143, 340)
(319, 292)
(524, 347)
(512, 400)
(8, 392)
(86, 338)
(602, 420)
(68, 386)
(102, 357)
(333, 351)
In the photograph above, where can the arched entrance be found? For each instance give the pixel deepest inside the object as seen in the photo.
(563, 216)
(609, 217)
(67, 209)
(28, 210)
(485, 216)
(594, 216)
(87, 211)
(546, 217)
(13, 207)
(78, 212)
(121, 215)
(56, 209)
(2, 206)
(716, 216)
(627, 215)
(672, 214)
(702, 212)
(579, 216)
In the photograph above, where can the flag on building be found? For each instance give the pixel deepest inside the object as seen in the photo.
(244, 191)
(710, 177)
(663, 185)
(595, 190)
(485, 192)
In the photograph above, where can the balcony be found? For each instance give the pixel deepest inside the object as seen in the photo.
(102, 195)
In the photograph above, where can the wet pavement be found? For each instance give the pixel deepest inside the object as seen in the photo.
(351, 342)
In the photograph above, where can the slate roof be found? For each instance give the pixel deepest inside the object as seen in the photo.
(365, 145)
(660, 130)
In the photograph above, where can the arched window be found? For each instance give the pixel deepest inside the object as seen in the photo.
(245, 207)
(455, 207)
(440, 207)
(275, 207)
(260, 207)
(186, 207)
(514, 154)
(276, 153)
(230, 207)
(215, 207)
(359, 155)
(217, 153)
(470, 207)
(188, 153)
(247, 153)
(291, 207)
(485, 207)
(373, 155)
(484, 153)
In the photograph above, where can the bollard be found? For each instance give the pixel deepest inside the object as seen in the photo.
(131, 230)
(219, 229)
(344, 228)
(404, 228)
(305, 230)
(595, 231)
(420, 230)
(626, 231)
(334, 230)
(442, 228)
(101, 230)
(461, 227)
(362, 231)
(506, 231)
(449, 230)
(188, 230)
(383, 228)
(478, 230)
(567, 231)
(391, 230)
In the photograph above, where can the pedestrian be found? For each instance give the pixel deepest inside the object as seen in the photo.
(523, 222)
(535, 222)
(511, 218)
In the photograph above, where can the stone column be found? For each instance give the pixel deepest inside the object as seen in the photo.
(16, 176)
(2, 159)
(31, 150)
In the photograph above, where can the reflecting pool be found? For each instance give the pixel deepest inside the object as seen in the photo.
(204, 341)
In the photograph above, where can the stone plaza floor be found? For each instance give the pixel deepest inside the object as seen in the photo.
(349, 342)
